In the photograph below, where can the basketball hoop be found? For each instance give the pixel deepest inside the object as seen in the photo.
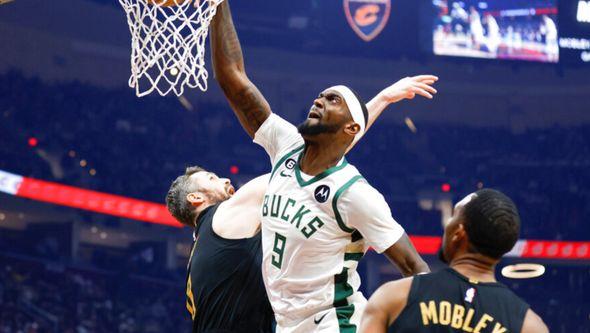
(168, 44)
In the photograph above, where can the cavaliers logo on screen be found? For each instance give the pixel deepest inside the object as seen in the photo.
(367, 17)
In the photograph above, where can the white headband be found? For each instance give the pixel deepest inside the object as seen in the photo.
(355, 107)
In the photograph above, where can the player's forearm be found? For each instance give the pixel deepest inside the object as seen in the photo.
(247, 102)
(375, 107)
(418, 266)
(404, 255)
(226, 51)
(406, 88)
(412, 266)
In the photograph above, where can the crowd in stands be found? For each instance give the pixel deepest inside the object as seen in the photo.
(39, 296)
(138, 146)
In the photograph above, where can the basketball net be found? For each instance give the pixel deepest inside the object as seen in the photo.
(168, 44)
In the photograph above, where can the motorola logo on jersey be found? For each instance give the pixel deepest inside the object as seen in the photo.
(322, 193)
(290, 163)
(367, 17)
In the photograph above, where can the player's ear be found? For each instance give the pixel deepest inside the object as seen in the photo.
(352, 129)
(459, 234)
(195, 198)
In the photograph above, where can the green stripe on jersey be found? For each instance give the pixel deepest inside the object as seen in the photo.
(353, 256)
(335, 203)
(284, 158)
(344, 311)
(321, 176)
(344, 314)
(341, 288)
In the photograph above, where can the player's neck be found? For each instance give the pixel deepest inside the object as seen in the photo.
(200, 211)
(319, 156)
(475, 266)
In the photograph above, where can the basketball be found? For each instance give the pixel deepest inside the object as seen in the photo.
(167, 3)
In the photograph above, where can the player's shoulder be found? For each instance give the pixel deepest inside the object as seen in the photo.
(391, 297)
(292, 148)
(360, 190)
(533, 323)
(400, 288)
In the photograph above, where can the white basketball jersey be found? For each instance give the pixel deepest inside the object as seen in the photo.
(310, 247)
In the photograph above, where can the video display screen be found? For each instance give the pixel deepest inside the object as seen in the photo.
(497, 29)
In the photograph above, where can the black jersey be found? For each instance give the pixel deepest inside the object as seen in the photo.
(447, 301)
(225, 290)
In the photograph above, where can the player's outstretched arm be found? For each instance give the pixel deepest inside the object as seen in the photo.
(533, 323)
(406, 88)
(248, 104)
(404, 255)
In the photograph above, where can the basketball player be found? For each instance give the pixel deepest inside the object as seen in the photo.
(466, 296)
(319, 215)
(475, 29)
(225, 292)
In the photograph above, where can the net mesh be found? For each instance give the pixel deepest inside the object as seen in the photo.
(168, 44)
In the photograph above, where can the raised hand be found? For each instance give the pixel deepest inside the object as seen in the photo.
(409, 87)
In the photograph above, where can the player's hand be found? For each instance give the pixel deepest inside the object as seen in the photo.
(409, 87)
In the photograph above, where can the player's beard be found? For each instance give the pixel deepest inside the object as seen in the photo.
(217, 197)
(308, 129)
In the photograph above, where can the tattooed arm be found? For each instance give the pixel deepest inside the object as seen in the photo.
(248, 104)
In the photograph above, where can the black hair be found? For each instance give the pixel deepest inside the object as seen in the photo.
(492, 223)
(363, 107)
(176, 200)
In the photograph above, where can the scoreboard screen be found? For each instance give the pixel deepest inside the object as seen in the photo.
(496, 29)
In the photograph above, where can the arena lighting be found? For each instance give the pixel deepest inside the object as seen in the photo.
(234, 169)
(446, 187)
(523, 271)
(410, 124)
(33, 142)
(185, 103)
(151, 212)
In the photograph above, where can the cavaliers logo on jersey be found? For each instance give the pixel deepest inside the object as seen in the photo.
(367, 17)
